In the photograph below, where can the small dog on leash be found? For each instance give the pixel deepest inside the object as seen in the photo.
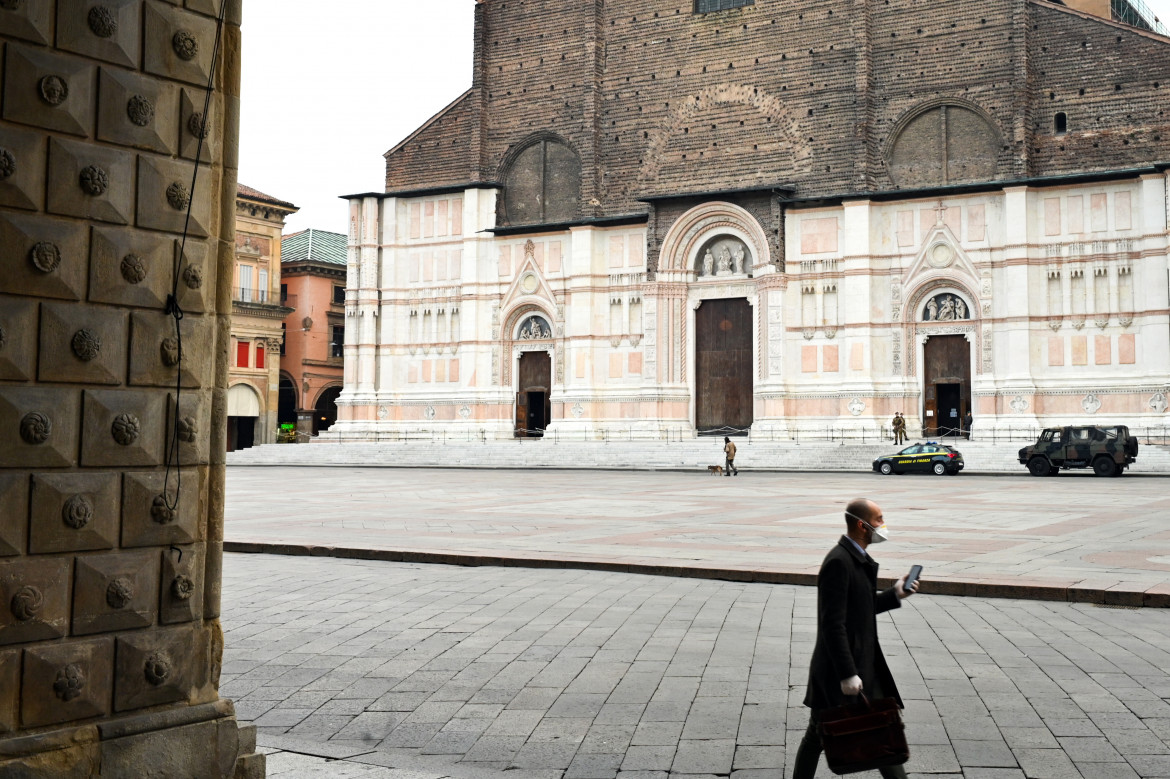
(715, 470)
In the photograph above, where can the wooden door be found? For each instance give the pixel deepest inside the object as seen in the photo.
(535, 374)
(723, 364)
(946, 360)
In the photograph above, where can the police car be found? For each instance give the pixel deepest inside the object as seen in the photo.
(929, 457)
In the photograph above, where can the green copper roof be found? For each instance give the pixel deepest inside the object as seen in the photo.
(314, 246)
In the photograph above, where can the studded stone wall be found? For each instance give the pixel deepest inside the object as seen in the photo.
(109, 564)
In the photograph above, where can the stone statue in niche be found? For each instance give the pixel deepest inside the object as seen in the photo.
(534, 329)
(723, 256)
(946, 308)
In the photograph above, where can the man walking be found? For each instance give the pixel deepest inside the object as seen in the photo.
(899, 424)
(729, 450)
(847, 658)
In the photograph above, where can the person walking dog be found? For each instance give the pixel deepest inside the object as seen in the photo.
(847, 658)
(729, 450)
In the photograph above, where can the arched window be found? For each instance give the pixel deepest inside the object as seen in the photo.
(944, 144)
(542, 184)
(1060, 123)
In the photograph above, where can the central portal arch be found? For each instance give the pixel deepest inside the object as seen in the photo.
(723, 364)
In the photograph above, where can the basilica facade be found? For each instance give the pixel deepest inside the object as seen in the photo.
(658, 217)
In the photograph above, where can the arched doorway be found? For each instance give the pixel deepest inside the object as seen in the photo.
(287, 408)
(325, 410)
(533, 404)
(243, 415)
(946, 366)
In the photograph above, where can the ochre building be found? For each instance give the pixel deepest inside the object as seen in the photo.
(652, 218)
(257, 318)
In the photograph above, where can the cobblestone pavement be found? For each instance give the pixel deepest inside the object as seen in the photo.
(1075, 531)
(406, 671)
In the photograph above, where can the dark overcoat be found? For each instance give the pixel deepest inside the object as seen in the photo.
(848, 603)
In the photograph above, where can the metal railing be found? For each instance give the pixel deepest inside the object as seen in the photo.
(250, 295)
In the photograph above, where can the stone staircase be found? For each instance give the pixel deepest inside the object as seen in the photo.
(693, 454)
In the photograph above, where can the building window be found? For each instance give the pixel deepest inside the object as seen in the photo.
(246, 291)
(1060, 123)
(283, 335)
(262, 287)
(337, 347)
(706, 6)
(339, 295)
(243, 349)
(283, 294)
(259, 356)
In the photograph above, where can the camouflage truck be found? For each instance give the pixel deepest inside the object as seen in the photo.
(1107, 450)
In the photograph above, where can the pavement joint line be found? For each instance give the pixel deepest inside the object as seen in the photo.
(959, 587)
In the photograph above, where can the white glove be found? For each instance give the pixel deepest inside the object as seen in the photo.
(851, 686)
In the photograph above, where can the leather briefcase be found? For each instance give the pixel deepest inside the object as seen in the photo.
(863, 736)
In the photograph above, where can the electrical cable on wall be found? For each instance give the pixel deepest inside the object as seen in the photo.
(173, 309)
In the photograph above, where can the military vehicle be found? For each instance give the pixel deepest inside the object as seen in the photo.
(1107, 450)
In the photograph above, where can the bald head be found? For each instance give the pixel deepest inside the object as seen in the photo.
(863, 509)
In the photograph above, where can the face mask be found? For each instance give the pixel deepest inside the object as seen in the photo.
(879, 534)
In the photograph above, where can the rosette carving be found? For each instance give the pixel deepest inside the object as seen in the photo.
(160, 510)
(70, 682)
(178, 196)
(133, 269)
(119, 593)
(197, 125)
(26, 604)
(140, 110)
(77, 512)
(183, 587)
(94, 181)
(87, 345)
(185, 44)
(158, 668)
(102, 21)
(53, 89)
(36, 428)
(126, 429)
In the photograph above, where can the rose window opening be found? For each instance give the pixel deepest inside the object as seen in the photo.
(946, 307)
(534, 328)
(722, 256)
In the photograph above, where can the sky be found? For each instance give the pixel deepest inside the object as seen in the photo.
(327, 92)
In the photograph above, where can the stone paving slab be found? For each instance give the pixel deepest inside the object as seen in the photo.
(403, 671)
(1075, 537)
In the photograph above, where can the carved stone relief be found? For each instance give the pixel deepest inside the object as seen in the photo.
(945, 307)
(725, 256)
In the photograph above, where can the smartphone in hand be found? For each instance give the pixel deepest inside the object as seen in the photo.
(912, 577)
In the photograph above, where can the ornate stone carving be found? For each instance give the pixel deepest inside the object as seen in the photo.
(383, 412)
(157, 668)
(178, 196)
(941, 255)
(126, 429)
(535, 328)
(1091, 403)
(87, 345)
(160, 510)
(183, 588)
(465, 412)
(69, 683)
(1125, 320)
(119, 593)
(133, 269)
(193, 276)
(1158, 403)
(197, 125)
(945, 308)
(54, 90)
(94, 181)
(187, 430)
(1018, 404)
(26, 603)
(185, 45)
(7, 163)
(430, 413)
(169, 352)
(140, 110)
(102, 21)
(36, 428)
(856, 406)
(577, 411)
(45, 256)
(77, 512)
(307, 323)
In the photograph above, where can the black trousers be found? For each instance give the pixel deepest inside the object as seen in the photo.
(809, 753)
(727, 471)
